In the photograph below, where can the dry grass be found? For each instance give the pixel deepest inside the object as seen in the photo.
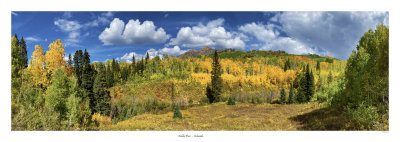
(222, 117)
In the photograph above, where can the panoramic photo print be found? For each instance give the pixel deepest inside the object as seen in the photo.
(199, 71)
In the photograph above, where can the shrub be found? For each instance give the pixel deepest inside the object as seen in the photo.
(102, 120)
(177, 112)
(275, 101)
(363, 117)
(231, 101)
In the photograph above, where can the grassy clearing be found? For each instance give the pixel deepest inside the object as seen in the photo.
(220, 116)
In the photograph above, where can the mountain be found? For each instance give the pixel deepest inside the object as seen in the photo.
(206, 50)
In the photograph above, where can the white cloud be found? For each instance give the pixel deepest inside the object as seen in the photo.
(133, 32)
(336, 32)
(171, 51)
(14, 13)
(269, 39)
(289, 45)
(72, 28)
(102, 19)
(265, 33)
(212, 34)
(67, 25)
(32, 39)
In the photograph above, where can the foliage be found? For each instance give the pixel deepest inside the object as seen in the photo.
(282, 99)
(231, 101)
(214, 94)
(177, 112)
(291, 94)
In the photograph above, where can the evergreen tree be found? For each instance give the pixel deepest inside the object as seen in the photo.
(24, 53)
(231, 101)
(177, 112)
(147, 57)
(87, 78)
(291, 94)
(330, 78)
(214, 94)
(318, 66)
(16, 66)
(282, 99)
(78, 59)
(287, 65)
(109, 77)
(101, 97)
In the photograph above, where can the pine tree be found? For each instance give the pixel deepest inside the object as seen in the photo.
(318, 66)
(78, 59)
(147, 58)
(282, 99)
(291, 94)
(177, 112)
(231, 101)
(24, 53)
(214, 94)
(101, 96)
(16, 66)
(87, 78)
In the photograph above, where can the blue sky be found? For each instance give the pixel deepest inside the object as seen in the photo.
(121, 35)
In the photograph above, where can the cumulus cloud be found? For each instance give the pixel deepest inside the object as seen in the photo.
(72, 28)
(336, 32)
(133, 32)
(268, 36)
(171, 51)
(211, 34)
(265, 33)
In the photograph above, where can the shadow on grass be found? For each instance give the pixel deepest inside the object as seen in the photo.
(322, 119)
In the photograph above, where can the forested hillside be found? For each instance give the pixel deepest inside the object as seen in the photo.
(51, 93)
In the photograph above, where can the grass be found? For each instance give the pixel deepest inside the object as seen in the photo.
(220, 116)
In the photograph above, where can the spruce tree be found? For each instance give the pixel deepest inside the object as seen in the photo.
(231, 101)
(16, 66)
(147, 57)
(291, 94)
(78, 58)
(282, 99)
(216, 80)
(87, 78)
(101, 94)
(318, 66)
(24, 53)
(177, 112)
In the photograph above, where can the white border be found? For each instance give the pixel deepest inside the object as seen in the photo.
(202, 5)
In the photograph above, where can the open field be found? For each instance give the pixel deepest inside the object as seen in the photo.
(222, 117)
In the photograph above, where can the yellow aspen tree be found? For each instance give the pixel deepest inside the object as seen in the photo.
(55, 57)
(37, 67)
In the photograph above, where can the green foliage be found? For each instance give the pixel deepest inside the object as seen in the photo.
(177, 112)
(101, 97)
(363, 117)
(56, 98)
(306, 88)
(231, 101)
(214, 94)
(291, 94)
(282, 99)
(16, 66)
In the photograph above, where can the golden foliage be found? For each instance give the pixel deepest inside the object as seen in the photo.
(103, 120)
(37, 67)
(55, 56)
